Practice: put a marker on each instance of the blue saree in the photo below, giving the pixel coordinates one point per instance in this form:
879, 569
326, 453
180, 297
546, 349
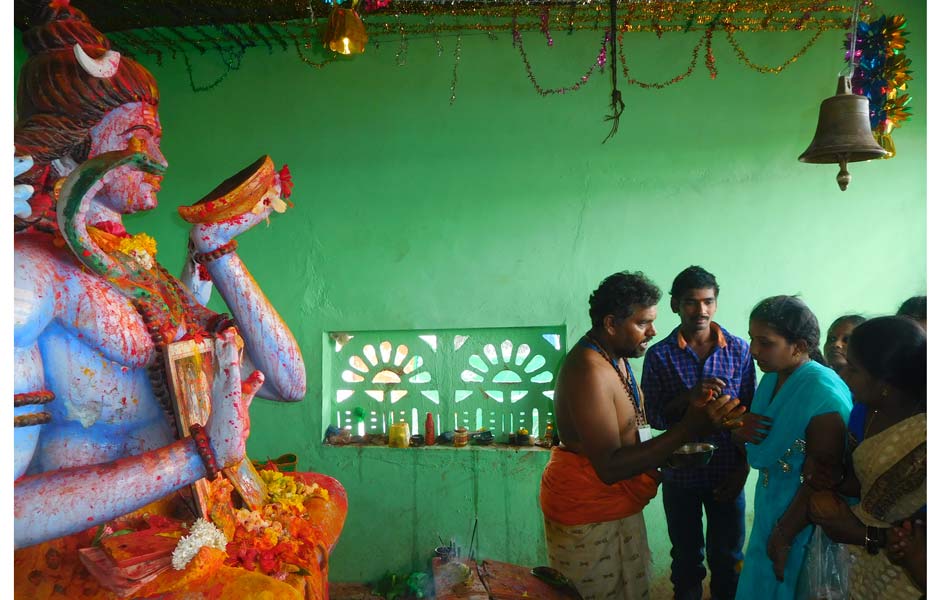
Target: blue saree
810, 391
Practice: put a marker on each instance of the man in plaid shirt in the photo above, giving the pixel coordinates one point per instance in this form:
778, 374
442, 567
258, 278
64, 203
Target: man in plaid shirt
697, 359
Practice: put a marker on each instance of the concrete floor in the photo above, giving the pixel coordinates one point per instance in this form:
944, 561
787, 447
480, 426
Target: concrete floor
660, 589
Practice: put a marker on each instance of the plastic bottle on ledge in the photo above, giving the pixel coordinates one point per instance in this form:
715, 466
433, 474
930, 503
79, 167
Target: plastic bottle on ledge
430, 430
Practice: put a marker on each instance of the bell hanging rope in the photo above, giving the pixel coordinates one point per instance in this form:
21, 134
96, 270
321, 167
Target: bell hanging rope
844, 133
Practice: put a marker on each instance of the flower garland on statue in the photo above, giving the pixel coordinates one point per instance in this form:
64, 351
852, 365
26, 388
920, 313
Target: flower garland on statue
880, 73
140, 247
201, 534
278, 539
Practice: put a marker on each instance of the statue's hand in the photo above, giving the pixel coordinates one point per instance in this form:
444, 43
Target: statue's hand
229, 423
22, 192
209, 236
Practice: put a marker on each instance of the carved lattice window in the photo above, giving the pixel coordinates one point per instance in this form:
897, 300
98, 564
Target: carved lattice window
499, 379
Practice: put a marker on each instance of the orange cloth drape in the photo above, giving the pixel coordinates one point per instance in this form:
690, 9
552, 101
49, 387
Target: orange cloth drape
572, 494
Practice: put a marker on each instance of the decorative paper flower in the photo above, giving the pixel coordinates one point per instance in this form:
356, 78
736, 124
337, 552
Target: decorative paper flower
286, 185
880, 72
59, 4
374, 5
202, 534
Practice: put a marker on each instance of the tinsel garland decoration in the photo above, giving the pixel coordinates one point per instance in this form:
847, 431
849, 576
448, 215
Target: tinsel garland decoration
669, 82
517, 41
881, 73
404, 19
174, 26
730, 35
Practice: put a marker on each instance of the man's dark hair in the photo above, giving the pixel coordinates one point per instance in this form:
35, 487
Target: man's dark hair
793, 320
618, 294
693, 278
915, 308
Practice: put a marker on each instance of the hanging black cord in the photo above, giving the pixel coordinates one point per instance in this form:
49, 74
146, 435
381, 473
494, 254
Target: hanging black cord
616, 102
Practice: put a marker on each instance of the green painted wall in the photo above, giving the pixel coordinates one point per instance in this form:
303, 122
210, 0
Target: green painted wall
505, 209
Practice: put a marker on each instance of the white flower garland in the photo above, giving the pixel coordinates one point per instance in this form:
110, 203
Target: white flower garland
203, 533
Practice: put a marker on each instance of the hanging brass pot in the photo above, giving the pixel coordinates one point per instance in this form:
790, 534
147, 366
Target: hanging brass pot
844, 133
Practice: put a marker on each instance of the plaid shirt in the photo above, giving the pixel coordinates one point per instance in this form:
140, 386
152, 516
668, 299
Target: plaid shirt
671, 367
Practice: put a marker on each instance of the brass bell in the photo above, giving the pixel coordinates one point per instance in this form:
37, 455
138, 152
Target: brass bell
844, 133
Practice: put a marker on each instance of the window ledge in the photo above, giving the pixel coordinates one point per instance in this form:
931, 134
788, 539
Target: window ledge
448, 448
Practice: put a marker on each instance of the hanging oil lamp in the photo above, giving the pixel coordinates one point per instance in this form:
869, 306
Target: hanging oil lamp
345, 33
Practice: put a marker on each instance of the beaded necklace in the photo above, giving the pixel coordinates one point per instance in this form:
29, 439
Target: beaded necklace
158, 324
629, 382
160, 300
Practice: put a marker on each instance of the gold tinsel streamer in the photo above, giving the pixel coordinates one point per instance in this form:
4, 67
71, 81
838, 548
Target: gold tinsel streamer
764, 69
658, 17
428, 19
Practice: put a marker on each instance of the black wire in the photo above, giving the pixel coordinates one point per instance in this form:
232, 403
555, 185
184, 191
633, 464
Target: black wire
615, 97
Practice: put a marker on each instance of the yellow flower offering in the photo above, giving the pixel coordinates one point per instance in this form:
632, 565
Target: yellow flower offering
286, 491
138, 242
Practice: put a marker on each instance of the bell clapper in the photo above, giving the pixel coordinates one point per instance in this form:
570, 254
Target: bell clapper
844, 178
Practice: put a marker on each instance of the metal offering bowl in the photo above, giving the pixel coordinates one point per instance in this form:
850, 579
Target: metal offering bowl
483, 437
694, 454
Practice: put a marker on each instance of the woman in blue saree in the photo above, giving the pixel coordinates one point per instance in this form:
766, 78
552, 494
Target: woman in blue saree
808, 405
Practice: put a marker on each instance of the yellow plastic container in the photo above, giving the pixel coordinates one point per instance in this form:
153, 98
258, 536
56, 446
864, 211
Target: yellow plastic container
399, 435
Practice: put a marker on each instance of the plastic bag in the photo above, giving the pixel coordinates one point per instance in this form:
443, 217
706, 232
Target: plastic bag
825, 572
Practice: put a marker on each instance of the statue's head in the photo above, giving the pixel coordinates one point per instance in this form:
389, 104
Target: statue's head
76, 99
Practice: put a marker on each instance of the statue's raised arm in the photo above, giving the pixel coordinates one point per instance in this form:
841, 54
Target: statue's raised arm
235, 206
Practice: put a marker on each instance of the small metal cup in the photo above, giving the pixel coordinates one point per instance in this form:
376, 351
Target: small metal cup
445, 553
